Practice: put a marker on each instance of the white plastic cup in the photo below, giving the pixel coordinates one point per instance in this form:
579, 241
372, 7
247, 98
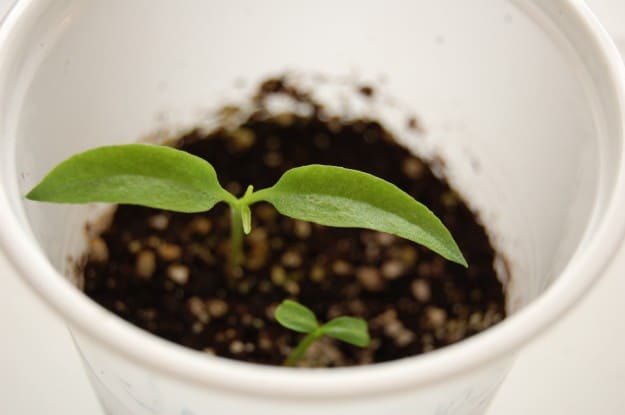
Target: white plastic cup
523, 100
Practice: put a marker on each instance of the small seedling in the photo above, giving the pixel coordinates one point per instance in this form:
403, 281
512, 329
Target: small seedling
166, 178
301, 319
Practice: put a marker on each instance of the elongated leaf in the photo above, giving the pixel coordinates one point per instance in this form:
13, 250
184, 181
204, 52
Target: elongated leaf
296, 317
348, 329
139, 174
340, 197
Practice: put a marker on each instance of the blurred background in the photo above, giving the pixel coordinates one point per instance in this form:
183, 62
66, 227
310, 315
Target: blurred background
577, 368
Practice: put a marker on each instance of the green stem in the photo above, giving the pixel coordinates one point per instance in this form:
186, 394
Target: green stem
236, 236
297, 353
257, 196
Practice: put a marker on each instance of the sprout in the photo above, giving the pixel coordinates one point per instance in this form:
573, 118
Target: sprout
166, 178
301, 319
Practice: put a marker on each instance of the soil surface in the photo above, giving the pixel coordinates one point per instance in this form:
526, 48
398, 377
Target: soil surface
166, 272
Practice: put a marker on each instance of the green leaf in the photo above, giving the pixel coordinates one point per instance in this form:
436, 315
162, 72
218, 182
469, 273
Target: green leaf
297, 317
340, 197
348, 329
139, 174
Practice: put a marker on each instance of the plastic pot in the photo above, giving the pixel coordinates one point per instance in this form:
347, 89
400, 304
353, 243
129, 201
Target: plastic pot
522, 99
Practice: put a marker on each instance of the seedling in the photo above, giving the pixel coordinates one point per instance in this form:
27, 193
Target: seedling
301, 319
166, 178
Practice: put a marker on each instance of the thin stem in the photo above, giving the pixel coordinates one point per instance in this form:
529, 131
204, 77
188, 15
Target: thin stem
236, 236
297, 353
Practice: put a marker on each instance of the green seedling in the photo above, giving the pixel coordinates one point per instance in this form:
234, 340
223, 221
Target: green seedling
301, 319
166, 178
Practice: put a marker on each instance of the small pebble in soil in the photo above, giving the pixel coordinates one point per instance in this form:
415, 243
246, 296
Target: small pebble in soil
384, 239
234, 187
264, 342
197, 307
158, 222
436, 317
475, 320
317, 273
284, 119
335, 125
408, 255
341, 267
291, 259
242, 139
230, 333
455, 330
302, 229
292, 288
370, 278
237, 347
217, 308
278, 275
197, 327
450, 199
134, 246
257, 236
98, 250
200, 225
413, 168
421, 290
145, 264
169, 252
178, 273
404, 338
120, 306
392, 269
265, 212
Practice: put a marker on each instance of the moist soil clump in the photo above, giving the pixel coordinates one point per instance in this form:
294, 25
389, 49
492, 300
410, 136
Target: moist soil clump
167, 272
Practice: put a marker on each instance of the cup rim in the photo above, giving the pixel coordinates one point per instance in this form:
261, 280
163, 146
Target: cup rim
500, 341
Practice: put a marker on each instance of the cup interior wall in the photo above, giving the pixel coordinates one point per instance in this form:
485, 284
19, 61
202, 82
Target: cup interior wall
505, 99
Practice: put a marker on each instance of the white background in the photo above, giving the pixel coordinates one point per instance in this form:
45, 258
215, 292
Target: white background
577, 368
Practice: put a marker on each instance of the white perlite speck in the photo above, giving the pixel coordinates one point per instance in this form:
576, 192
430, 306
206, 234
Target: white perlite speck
178, 273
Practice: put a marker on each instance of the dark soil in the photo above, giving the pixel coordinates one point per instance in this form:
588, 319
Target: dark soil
166, 272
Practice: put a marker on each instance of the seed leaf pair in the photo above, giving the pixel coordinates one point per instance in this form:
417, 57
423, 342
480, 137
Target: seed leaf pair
297, 317
166, 178
300, 318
